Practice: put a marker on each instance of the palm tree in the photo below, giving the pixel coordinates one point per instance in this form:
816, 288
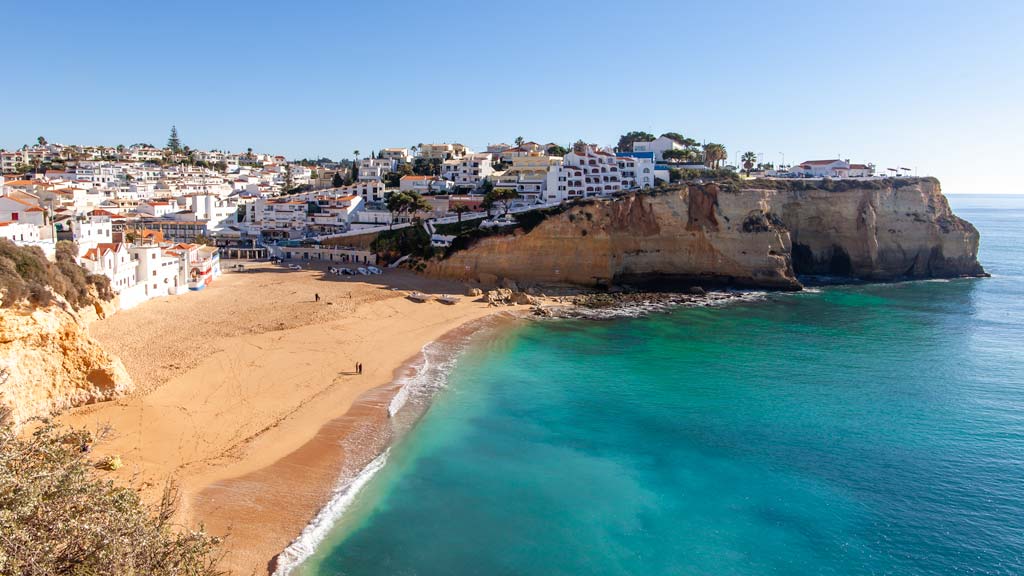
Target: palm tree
748, 161
714, 154
519, 141
460, 210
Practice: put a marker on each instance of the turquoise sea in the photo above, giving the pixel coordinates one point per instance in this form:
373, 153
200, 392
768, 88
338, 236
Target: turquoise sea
871, 429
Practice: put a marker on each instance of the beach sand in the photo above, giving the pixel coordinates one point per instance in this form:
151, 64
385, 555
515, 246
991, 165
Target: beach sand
248, 397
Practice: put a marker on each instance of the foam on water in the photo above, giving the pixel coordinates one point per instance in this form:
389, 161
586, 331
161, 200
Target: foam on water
315, 532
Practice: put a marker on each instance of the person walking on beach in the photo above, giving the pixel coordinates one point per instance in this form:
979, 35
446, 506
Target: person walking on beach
316, 297
359, 367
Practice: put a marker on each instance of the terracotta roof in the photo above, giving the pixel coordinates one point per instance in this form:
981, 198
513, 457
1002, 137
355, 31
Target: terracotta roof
819, 162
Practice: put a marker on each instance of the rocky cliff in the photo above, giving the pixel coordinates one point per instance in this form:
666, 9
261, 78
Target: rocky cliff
757, 234
48, 362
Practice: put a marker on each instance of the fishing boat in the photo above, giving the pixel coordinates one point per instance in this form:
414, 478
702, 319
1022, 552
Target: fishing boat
419, 297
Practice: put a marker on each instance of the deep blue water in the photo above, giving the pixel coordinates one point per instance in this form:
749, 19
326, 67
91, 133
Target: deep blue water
853, 430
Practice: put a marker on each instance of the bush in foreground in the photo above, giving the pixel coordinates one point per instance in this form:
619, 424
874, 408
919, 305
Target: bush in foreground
25, 273
58, 517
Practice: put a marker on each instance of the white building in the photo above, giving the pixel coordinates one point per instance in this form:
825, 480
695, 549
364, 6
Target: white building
833, 169
442, 151
468, 171
90, 232
582, 174
659, 146
157, 208
637, 172
399, 155
13, 209
528, 175
157, 273
21, 233
423, 184
113, 261
375, 168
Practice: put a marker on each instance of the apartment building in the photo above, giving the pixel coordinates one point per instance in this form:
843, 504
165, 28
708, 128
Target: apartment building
467, 172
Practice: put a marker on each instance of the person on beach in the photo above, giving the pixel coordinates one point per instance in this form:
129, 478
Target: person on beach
316, 297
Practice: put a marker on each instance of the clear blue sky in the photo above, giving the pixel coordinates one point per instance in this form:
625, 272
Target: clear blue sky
932, 85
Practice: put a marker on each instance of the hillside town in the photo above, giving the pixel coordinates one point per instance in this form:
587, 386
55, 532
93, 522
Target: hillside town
156, 220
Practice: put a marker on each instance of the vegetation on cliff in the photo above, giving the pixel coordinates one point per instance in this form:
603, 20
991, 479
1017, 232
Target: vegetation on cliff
57, 516
26, 274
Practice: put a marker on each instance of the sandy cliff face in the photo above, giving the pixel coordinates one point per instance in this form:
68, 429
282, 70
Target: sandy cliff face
688, 235
892, 232
743, 237
48, 362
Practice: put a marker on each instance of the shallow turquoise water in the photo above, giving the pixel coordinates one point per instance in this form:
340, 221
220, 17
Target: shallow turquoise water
854, 430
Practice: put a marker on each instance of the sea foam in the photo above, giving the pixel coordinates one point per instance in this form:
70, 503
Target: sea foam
314, 533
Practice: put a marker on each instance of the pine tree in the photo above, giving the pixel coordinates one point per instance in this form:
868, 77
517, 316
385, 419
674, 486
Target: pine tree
289, 182
173, 143
337, 181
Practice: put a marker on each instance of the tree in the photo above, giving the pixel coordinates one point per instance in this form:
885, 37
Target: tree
556, 150
174, 143
714, 154
392, 180
289, 180
459, 210
41, 141
749, 158
337, 181
626, 140
503, 196
519, 141
399, 203
675, 136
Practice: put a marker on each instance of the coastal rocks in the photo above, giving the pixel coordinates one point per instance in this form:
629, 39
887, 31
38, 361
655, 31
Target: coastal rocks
743, 236
506, 297
474, 292
605, 306
48, 362
499, 297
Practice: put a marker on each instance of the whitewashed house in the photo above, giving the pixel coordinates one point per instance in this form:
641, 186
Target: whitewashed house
468, 171
658, 146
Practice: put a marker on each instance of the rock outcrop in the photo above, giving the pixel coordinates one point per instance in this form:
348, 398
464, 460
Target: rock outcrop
739, 236
48, 362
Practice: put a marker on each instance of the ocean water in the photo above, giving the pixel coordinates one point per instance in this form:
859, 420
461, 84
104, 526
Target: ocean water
873, 429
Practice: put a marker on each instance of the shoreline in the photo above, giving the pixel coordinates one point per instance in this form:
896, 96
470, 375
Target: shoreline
232, 388
385, 424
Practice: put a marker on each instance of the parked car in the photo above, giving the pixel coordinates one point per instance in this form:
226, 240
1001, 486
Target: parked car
373, 270
363, 271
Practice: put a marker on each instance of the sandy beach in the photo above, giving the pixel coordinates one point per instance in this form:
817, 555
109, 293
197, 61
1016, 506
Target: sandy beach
247, 395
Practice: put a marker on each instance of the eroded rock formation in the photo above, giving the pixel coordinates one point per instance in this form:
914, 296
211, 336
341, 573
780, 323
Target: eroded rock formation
48, 362
743, 236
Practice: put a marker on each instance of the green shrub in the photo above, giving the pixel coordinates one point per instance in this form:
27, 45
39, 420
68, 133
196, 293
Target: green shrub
392, 244
25, 273
57, 516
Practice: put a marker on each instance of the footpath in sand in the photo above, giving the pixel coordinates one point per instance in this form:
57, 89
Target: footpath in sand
246, 389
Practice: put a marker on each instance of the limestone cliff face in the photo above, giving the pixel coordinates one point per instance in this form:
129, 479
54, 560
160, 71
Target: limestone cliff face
695, 235
48, 362
741, 237
902, 230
